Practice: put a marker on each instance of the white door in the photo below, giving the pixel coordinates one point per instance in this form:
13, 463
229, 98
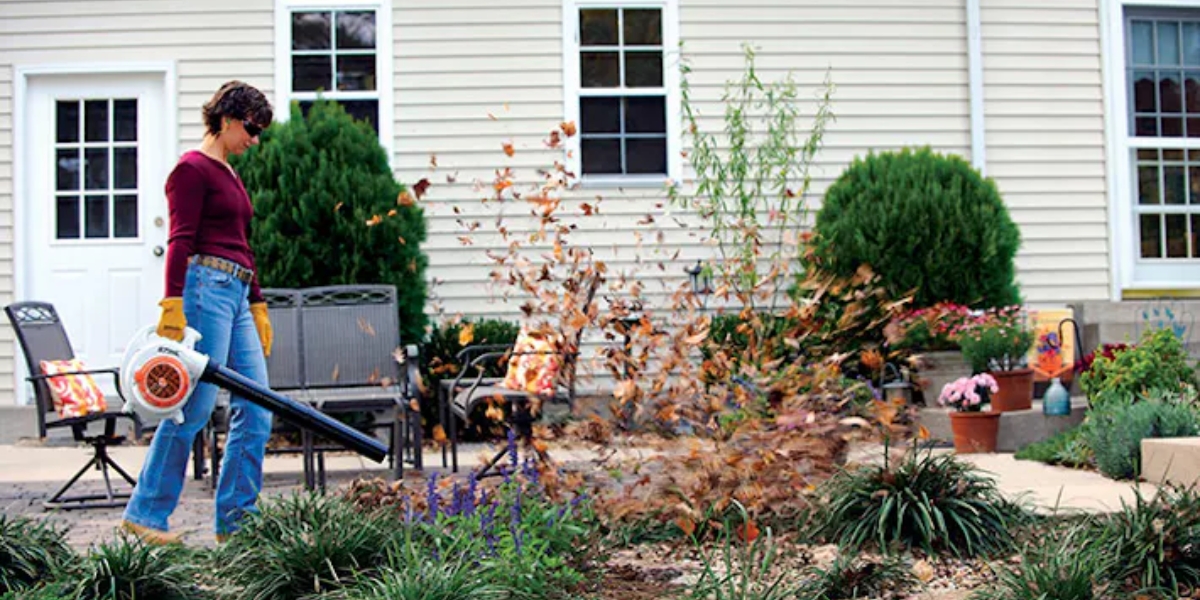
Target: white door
94, 208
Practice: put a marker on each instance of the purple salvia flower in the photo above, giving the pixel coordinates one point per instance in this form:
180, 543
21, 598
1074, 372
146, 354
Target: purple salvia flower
455, 502
433, 498
512, 448
472, 488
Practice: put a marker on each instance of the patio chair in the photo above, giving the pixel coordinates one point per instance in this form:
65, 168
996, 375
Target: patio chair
42, 337
457, 399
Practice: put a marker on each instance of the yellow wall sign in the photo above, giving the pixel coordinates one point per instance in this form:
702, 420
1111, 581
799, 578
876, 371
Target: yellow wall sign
1052, 355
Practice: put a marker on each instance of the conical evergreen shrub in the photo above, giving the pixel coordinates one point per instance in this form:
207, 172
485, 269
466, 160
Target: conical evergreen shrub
927, 223
327, 211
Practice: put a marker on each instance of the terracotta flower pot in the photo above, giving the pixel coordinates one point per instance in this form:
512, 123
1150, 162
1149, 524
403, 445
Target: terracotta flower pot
1016, 390
974, 432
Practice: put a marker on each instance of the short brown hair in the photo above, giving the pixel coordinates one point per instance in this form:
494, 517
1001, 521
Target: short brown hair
236, 100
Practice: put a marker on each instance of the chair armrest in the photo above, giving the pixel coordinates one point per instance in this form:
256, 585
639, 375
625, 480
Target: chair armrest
469, 350
115, 372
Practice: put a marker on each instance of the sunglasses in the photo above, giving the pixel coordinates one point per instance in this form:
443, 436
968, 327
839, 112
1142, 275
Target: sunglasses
251, 129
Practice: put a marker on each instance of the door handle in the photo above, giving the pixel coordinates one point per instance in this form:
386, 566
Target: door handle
158, 250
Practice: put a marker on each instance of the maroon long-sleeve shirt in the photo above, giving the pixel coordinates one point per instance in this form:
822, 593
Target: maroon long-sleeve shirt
210, 214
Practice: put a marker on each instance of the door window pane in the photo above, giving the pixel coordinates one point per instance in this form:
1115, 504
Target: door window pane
1148, 185
125, 168
601, 156
95, 168
66, 217
67, 121
1142, 42
646, 155
125, 120
95, 124
66, 166
125, 213
95, 216
600, 69
600, 115
646, 115
1168, 43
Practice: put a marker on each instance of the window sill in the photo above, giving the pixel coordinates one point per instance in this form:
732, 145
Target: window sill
628, 181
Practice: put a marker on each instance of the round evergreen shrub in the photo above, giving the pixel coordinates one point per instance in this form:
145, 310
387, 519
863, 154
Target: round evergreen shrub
928, 224
328, 211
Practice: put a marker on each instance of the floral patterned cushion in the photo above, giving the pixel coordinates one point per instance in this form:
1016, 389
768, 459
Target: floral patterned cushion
74, 395
534, 373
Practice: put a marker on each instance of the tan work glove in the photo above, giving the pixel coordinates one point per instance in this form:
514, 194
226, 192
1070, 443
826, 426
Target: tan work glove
172, 322
263, 323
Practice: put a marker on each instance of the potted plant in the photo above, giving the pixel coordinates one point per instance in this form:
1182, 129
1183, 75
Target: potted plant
931, 335
974, 429
1000, 346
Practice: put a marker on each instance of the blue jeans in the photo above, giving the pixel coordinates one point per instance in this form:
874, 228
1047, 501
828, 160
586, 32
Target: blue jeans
217, 305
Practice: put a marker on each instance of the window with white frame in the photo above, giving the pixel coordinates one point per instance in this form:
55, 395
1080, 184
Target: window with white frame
1162, 68
621, 89
334, 53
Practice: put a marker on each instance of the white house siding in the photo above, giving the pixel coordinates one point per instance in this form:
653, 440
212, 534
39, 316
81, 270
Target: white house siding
900, 69
210, 42
1044, 110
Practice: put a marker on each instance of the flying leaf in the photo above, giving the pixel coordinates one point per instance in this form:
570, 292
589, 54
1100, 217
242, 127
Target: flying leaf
466, 335
508, 149
405, 198
568, 128
433, 161
421, 188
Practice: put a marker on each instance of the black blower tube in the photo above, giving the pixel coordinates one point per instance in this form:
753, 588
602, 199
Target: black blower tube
294, 412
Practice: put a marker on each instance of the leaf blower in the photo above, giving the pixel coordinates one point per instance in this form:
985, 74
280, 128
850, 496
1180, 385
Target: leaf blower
159, 374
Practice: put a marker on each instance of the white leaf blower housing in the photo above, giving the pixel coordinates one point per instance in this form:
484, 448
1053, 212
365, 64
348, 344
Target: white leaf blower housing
159, 374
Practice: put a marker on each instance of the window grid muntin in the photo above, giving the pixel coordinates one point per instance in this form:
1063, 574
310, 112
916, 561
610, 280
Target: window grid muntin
110, 192
621, 92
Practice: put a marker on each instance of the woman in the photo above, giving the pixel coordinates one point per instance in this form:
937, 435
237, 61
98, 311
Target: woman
211, 286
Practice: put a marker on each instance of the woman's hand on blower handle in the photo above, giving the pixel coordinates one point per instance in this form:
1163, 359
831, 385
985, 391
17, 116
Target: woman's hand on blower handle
172, 323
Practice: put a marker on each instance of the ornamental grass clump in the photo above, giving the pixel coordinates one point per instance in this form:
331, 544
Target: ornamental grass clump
934, 502
301, 546
129, 569
1154, 542
29, 551
852, 577
1064, 564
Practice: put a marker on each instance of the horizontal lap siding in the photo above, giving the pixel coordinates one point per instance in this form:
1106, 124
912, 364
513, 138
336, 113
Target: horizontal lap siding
1044, 111
211, 42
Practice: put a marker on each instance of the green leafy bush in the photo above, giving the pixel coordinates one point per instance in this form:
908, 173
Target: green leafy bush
130, 569
938, 503
303, 545
327, 211
1114, 430
1158, 361
1059, 565
1067, 447
1154, 543
29, 549
928, 223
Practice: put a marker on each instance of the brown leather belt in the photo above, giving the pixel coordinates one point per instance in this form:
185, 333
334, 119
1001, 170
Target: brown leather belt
223, 265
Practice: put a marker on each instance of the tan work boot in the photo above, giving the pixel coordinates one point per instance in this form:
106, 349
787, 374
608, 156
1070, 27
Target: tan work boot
151, 536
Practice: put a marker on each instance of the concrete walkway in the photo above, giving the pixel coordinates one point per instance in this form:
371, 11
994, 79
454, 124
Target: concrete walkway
30, 473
